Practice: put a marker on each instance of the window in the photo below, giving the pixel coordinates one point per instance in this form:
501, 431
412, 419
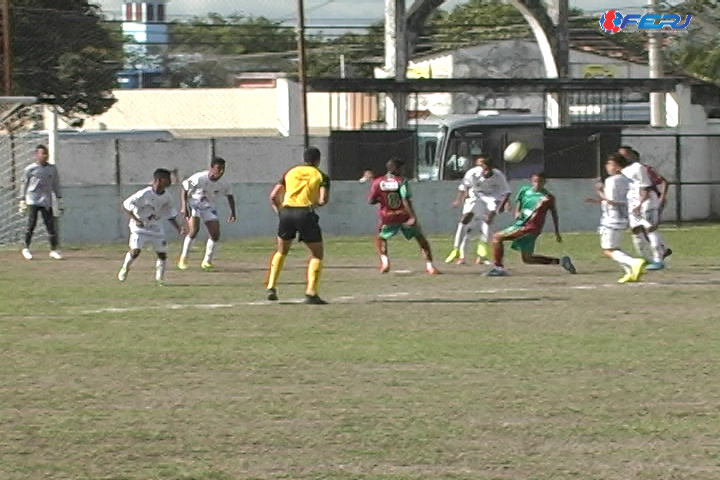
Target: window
150, 12
138, 12
128, 12
161, 12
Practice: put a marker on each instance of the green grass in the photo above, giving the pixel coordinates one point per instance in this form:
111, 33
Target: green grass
541, 375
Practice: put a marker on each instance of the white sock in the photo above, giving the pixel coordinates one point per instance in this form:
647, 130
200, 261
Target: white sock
128, 260
623, 259
160, 270
486, 232
384, 259
657, 247
640, 244
187, 245
429, 265
460, 234
210, 250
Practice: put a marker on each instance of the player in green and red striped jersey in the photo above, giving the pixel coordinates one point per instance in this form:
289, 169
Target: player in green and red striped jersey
532, 204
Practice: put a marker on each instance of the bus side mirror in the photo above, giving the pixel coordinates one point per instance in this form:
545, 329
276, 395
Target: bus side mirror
430, 149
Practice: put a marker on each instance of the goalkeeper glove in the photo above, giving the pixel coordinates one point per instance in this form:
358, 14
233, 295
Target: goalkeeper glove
22, 207
61, 207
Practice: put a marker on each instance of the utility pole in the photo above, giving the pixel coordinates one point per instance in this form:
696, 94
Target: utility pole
7, 54
657, 99
559, 12
396, 60
302, 71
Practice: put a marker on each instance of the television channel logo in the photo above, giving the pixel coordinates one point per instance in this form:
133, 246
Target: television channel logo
613, 21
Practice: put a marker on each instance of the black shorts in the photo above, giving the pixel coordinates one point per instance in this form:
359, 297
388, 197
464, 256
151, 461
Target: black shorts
299, 222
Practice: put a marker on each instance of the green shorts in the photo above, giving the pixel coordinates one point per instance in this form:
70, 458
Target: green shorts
389, 231
523, 239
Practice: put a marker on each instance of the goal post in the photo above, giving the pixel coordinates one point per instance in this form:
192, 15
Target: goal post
21, 130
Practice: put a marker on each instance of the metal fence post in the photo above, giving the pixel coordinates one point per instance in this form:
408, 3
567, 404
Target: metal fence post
678, 181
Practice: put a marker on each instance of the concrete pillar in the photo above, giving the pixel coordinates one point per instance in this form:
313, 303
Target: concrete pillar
289, 106
396, 60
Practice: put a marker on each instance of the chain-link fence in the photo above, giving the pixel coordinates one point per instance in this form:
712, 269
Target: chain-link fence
17, 144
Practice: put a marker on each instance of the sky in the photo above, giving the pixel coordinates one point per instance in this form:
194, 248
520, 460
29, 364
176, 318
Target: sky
319, 12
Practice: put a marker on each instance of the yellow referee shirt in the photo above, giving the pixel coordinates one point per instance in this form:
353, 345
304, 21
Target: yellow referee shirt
302, 186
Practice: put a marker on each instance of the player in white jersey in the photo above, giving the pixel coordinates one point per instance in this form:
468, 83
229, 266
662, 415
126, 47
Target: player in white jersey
613, 200
647, 220
197, 203
147, 209
484, 192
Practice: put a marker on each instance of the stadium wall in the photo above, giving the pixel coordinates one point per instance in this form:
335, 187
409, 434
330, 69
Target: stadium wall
94, 214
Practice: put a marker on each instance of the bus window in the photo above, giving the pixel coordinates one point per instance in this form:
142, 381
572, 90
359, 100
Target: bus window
430, 148
460, 152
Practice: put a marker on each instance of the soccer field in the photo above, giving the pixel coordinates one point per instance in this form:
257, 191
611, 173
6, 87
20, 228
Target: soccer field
540, 375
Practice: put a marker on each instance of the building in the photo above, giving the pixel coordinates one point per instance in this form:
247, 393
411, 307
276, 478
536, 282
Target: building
145, 22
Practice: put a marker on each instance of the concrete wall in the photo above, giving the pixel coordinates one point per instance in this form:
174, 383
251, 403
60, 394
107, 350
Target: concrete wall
92, 160
347, 214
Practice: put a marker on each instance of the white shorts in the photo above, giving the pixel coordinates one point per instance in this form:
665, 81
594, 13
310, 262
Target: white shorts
648, 218
139, 239
205, 214
480, 207
610, 238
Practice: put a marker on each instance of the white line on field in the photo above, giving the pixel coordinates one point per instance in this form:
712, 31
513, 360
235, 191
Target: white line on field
397, 295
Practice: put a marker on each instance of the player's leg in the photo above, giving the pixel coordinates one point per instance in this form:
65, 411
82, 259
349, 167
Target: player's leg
160, 246
462, 232
422, 241
385, 233
639, 236
311, 235
33, 211
136, 244
193, 229
657, 246
526, 246
486, 232
49, 220
610, 242
498, 248
287, 231
213, 229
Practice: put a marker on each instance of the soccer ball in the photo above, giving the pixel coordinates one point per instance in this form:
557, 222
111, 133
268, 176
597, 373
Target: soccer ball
515, 152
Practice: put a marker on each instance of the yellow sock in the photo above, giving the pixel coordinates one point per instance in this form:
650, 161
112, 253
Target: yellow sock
314, 268
275, 267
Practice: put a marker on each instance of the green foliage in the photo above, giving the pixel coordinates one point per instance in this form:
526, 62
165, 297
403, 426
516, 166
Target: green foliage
358, 48
231, 35
62, 50
698, 52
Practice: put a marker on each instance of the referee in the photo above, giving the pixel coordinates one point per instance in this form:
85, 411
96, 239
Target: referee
303, 189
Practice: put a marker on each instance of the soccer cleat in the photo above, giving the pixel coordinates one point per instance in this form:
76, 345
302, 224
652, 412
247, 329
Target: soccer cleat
628, 278
26, 253
314, 300
56, 255
460, 261
384, 267
482, 250
655, 266
496, 272
454, 255
207, 266
431, 270
122, 274
183, 263
637, 269
668, 252
272, 294
567, 265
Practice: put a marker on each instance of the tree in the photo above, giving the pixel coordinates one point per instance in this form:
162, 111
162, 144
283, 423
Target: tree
698, 52
231, 35
61, 50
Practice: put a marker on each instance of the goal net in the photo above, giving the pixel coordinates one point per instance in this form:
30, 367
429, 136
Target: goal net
21, 130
